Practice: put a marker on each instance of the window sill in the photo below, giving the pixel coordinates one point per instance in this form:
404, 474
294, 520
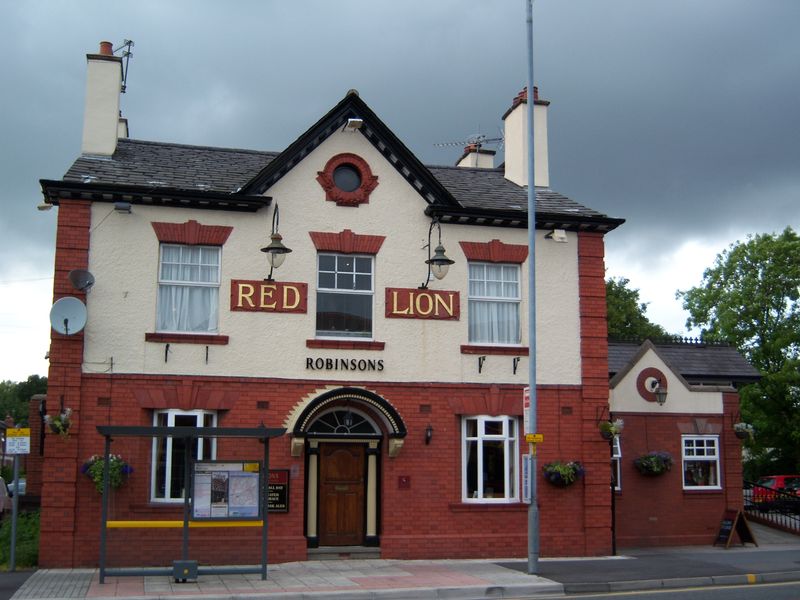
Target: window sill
488, 507
501, 350
187, 338
345, 345
703, 491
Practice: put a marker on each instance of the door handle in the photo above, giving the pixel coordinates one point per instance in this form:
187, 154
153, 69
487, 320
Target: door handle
341, 488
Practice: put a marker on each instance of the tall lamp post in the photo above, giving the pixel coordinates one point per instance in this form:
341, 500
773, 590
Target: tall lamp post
533, 508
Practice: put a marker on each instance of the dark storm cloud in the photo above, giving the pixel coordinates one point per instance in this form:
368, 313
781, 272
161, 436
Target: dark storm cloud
680, 117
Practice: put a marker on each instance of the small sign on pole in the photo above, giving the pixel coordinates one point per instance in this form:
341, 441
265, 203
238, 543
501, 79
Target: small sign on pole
526, 478
18, 440
526, 410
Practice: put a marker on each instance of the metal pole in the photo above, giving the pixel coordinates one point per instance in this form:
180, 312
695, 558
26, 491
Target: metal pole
104, 513
187, 457
12, 559
533, 508
265, 508
613, 499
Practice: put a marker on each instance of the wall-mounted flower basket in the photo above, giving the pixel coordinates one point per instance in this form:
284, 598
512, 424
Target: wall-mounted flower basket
60, 423
609, 429
653, 463
562, 474
743, 431
118, 471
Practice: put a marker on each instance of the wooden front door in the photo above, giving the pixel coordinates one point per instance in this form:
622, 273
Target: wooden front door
341, 494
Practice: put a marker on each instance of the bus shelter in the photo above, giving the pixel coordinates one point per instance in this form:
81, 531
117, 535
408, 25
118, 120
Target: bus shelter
184, 568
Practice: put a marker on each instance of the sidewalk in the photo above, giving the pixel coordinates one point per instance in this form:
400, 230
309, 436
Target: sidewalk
774, 560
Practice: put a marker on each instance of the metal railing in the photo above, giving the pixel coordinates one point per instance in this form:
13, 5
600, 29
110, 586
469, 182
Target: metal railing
776, 508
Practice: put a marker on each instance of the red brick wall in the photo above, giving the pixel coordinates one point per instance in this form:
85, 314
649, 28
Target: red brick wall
657, 511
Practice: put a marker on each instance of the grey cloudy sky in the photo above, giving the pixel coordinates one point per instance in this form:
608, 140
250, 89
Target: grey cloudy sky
681, 117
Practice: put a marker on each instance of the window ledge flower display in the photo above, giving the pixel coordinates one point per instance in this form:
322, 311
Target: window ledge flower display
610, 429
60, 423
562, 474
653, 463
118, 470
743, 431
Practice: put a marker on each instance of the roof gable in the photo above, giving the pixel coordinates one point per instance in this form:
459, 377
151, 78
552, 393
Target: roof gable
375, 131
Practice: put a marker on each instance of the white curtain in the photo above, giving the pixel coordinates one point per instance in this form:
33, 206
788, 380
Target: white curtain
494, 303
188, 292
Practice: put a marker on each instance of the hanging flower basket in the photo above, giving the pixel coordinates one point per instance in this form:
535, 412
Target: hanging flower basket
610, 429
118, 470
562, 474
653, 463
60, 423
743, 431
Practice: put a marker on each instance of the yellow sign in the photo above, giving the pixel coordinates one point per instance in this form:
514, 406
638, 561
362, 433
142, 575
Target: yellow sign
18, 432
534, 438
250, 467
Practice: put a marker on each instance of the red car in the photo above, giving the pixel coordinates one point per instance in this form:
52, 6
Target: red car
764, 492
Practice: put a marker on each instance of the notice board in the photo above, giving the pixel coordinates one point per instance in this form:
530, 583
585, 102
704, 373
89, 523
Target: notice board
734, 521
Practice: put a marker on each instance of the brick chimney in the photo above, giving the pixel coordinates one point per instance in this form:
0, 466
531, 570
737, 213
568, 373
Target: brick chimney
476, 157
516, 140
102, 123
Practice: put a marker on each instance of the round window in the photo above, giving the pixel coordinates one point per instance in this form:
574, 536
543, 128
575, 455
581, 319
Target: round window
347, 178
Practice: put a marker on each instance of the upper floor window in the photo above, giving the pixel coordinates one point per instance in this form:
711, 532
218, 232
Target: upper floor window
494, 298
490, 459
168, 473
188, 288
616, 459
344, 296
700, 461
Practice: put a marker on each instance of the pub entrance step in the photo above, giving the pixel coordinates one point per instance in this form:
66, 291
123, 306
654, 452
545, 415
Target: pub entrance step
343, 552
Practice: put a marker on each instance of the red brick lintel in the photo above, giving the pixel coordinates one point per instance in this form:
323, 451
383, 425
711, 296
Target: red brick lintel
345, 344
187, 338
501, 350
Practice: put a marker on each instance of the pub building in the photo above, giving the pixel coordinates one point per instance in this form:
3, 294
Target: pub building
373, 307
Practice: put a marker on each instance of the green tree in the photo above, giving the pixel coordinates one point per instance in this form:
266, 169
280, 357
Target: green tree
626, 318
15, 397
749, 297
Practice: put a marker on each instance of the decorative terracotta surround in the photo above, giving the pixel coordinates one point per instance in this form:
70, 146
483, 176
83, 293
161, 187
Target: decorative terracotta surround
345, 344
641, 381
346, 242
191, 233
342, 198
191, 397
495, 252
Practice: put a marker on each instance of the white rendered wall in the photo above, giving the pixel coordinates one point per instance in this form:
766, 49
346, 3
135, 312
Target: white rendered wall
516, 145
124, 259
680, 399
101, 111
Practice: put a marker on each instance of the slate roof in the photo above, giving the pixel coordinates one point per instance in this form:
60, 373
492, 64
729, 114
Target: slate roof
178, 166
696, 362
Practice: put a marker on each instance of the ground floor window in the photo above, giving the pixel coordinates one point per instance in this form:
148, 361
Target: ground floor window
616, 460
490, 459
168, 480
700, 461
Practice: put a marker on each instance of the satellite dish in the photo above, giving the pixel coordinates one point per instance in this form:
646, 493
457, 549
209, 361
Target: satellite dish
68, 316
81, 280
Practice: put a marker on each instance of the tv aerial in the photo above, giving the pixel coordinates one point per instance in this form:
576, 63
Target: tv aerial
126, 56
68, 316
477, 140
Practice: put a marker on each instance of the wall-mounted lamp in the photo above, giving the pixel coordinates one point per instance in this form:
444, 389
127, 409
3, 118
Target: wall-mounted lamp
347, 420
428, 434
438, 264
122, 207
276, 251
659, 390
557, 235
353, 125
44, 206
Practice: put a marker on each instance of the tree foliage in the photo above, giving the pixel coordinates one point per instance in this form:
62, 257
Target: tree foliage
749, 297
626, 313
15, 397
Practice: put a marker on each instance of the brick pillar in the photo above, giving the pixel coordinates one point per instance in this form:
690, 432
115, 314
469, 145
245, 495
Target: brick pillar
60, 467
594, 376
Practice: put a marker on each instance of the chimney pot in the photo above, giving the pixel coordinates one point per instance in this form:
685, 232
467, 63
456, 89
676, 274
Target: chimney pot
106, 48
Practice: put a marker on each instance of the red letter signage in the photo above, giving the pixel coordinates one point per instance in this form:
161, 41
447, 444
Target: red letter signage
269, 296
402, 303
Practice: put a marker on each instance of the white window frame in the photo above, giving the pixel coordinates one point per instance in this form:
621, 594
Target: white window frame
182, 283
327, 335
474, 299
707, 453
510, 439
201, 442
616, 463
